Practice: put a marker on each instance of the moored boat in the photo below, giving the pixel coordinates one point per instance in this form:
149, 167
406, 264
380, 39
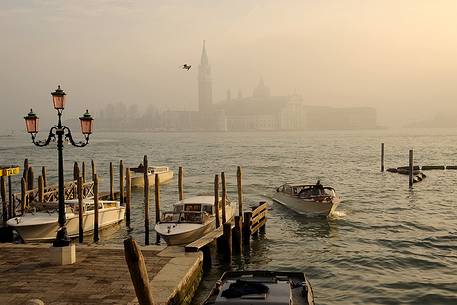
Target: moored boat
43, 225
309, 200
191, 219
137, 177
261, 287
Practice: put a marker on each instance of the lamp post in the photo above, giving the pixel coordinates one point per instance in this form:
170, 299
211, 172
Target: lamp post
62, 133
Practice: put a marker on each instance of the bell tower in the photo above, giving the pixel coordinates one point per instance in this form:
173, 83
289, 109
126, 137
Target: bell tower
205, 88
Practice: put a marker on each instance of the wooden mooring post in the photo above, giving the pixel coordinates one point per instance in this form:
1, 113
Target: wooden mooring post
83, 171
96, 237
411, 168
121, 182
128, 191
180, 183
43, 174
237, 235
80, 211
382, 157
94, 169
4, 204
240, 192
157, 202
247, 228
30, 177
40, 189
227, 241
224, 198
146, 201
11, 208
75, 171
111, 181
23, 195
138, 272
216, 200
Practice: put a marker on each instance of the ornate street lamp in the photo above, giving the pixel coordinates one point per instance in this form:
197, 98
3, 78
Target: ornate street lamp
62, 133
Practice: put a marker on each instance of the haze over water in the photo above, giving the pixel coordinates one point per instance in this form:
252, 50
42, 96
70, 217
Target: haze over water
386, 245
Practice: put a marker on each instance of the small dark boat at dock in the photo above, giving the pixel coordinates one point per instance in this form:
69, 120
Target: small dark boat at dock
261, 287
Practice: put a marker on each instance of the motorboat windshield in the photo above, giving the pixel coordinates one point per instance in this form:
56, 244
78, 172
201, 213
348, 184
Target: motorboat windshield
307, 191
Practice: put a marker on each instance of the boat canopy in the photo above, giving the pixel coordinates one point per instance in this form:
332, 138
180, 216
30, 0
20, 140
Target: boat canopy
306, 190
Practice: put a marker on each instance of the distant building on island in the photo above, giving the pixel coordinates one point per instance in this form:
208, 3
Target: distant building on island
261, 111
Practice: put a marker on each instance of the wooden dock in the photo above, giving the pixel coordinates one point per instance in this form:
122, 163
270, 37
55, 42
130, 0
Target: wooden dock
100, 275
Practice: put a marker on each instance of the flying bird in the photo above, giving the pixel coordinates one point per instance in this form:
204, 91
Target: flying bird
186, 66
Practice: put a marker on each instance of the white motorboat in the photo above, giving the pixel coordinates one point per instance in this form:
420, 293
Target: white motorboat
43, 225
260, 288
309, 200
137, 177
191, 219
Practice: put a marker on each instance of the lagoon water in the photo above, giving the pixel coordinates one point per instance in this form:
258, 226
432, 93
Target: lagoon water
386, 244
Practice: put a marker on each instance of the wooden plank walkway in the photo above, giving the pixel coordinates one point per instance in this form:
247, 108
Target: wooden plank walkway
198, 244
100, 275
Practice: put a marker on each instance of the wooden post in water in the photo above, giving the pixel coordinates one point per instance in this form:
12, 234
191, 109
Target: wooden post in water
216, 200
30, 178
23, 195
180, 183
80, 210
247, 228
94, 169
382, 157
121, 182
26, 168
227, 227
240, 192
75, 171
128, 198
10, 199
411, 167
111, 181
146, 201
3, 192
43, 174
40, 189
157, 201
236, 236
83, 171
224, 198
138, 272
25, 172
96, 238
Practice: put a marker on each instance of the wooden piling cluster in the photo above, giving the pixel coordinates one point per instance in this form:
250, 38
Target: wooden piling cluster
231, 236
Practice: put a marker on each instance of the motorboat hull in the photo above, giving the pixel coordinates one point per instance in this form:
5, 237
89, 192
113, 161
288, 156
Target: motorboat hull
185, 237
42, 226
307, 207
184, 233
137, 180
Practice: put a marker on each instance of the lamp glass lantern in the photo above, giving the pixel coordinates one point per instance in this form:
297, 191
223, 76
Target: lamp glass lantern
58, 98
86, 123
31, 122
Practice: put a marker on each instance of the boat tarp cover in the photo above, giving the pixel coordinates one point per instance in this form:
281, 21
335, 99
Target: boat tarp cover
240, 288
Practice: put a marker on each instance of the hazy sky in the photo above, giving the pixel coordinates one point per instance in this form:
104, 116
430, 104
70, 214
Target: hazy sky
399, 56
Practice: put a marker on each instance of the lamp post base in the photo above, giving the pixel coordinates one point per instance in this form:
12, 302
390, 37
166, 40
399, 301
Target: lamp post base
63, 255
62, 239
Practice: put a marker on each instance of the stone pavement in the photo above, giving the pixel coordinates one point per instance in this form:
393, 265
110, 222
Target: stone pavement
100, 275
